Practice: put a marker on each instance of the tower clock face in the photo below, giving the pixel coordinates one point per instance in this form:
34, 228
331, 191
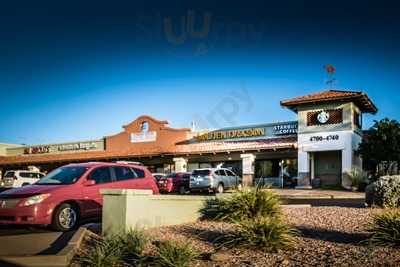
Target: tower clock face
323, 117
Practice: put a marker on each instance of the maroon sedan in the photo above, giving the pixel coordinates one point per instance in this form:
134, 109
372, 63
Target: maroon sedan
70, 193
175, 182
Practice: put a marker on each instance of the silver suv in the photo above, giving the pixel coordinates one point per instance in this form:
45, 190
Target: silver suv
214, 180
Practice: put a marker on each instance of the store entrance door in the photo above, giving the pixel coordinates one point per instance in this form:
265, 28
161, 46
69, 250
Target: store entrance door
328, 167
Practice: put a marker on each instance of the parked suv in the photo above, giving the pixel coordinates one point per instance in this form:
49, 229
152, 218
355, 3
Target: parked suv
70, 193
175, 182
20, 178
214, 180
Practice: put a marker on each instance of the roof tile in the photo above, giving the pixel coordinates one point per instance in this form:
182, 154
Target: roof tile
360, 98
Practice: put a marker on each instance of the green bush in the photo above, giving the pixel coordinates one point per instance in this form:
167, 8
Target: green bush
266, 233
243, 205
385, 229
114, 251
171, 254
387, 192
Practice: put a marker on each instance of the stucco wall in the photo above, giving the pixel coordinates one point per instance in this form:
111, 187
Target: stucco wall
166, 137
348, 139
347, 117
125, 209
5, 147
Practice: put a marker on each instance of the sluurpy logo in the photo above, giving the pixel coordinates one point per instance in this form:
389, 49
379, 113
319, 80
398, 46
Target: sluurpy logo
195, 33
187, 33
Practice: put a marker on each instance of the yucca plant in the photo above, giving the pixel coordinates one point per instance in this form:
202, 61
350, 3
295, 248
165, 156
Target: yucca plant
102, 253
265, 233
172, 254
243, 205
385, 229
133, 243
117, 250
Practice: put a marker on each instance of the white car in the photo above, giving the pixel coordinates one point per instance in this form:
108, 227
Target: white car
20, 178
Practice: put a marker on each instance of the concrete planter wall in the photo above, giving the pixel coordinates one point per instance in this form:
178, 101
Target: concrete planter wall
125, 209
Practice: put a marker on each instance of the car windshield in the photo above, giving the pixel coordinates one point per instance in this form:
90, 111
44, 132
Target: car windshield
171, 175
64, 175
201, 173
9, 174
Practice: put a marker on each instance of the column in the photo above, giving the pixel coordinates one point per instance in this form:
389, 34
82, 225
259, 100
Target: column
248, 169
180, 164
304, 173
347, 165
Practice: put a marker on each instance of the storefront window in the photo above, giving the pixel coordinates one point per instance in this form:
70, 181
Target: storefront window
290, 167
267, 168
235, 166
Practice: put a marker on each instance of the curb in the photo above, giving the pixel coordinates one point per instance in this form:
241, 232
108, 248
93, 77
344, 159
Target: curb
318, 197
296, 206
63, 258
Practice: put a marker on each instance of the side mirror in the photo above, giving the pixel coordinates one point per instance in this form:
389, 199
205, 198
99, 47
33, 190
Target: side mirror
89, 182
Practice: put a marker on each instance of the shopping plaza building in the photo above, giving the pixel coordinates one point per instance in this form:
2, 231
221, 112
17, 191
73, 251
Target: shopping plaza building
320, 148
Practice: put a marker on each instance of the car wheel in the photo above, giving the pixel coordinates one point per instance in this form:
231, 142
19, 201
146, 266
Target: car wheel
182, 190
65, 217
25, 184
220, 188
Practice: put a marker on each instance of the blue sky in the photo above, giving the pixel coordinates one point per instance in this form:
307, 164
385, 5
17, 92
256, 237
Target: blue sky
72, 73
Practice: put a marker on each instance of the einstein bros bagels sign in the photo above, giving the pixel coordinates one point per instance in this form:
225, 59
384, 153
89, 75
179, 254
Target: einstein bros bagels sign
232, 134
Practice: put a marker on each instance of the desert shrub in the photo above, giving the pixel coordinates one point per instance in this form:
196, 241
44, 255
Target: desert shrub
243, 205
172, 254
102, 253
266, 233
385, 229
387, 192
114, 251
358, 178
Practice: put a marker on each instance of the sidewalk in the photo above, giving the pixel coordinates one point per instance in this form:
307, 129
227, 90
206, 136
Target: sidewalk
318, 194
318, 197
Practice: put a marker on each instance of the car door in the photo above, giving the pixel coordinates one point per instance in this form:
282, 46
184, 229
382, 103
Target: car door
186, 180
92, 198
232, 178
222, 178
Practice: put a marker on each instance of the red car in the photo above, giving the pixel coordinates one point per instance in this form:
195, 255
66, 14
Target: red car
70, 193
175, 182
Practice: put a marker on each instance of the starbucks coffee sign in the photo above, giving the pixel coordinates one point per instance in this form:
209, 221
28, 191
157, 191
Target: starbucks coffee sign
285, 129
323, 117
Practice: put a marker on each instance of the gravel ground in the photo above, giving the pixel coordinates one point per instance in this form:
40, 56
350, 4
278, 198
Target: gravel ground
330, 236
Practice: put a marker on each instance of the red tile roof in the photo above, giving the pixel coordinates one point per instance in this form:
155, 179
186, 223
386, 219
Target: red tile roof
361, 99
195, 148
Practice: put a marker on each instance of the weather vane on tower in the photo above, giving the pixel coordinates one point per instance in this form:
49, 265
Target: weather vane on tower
330, 69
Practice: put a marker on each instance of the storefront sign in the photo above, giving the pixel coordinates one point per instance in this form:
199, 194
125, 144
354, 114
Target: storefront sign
285, 129
49, 149
231, 134
37, 150
77, 146
143, 137
319, 138
323, 117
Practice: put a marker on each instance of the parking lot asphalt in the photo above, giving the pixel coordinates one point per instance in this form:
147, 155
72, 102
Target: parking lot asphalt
7, 230
31, 244
35, 240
